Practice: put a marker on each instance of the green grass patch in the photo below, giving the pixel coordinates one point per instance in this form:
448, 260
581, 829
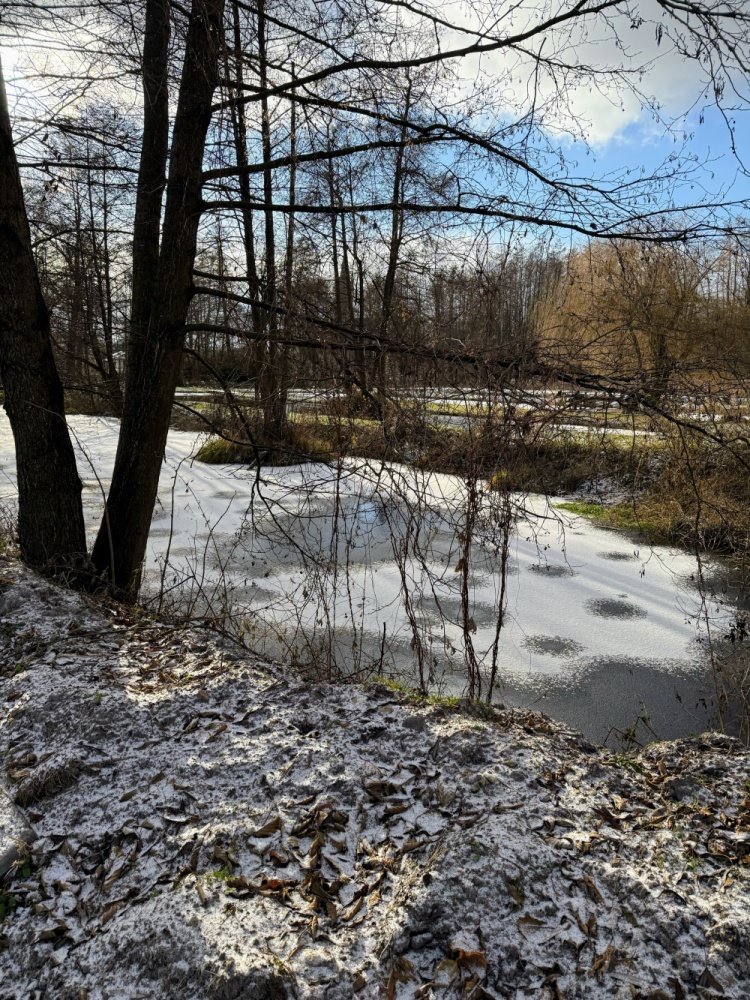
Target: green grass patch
219, 451
624, 517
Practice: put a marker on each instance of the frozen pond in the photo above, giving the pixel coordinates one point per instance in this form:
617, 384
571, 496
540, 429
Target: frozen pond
314, 564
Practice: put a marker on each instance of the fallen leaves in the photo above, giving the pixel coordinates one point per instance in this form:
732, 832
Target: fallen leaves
269, 828
368, 855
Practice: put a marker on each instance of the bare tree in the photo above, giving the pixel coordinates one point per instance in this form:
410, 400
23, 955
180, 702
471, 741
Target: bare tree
50, 518
121, 544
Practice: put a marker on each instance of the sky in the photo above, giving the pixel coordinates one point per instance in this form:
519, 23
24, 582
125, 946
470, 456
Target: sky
606, 130
602, 130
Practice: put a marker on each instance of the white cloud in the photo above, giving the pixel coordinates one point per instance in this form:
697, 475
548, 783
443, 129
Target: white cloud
598, 76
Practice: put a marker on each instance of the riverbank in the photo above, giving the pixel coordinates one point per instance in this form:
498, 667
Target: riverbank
671, 483
207, 826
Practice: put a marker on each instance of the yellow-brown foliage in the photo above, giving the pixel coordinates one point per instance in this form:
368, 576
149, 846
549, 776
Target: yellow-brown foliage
630, 309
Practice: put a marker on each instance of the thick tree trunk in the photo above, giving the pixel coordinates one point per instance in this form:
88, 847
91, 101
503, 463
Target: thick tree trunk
121, 544
151, 183
50, 517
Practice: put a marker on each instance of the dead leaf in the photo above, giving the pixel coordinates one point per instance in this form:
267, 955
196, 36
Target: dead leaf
528, 921
180, 818
604, 962
447, 970
516, 892
378, 790
592, 889
113, 876
402, 971
110, 911
354, 908
395, 808
53, 933
709, 981
312, 859
277, 884
465, 958
268, 829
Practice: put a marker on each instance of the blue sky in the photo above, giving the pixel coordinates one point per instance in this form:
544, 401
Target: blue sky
715, 172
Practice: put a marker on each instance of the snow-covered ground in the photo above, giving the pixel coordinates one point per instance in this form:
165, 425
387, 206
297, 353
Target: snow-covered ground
209, 828
309, 561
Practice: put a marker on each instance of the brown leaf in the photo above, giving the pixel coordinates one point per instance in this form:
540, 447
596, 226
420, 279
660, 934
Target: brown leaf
528, 921
709, 981
449, 967
110, 911
592, 889
394, 808
602, 963
268, 829
516, 892
113, 876
465, 958
277, 884
312, 859
354, 908
53, 933
378, 790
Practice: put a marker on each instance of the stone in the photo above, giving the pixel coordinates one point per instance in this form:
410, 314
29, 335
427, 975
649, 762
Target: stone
14, 830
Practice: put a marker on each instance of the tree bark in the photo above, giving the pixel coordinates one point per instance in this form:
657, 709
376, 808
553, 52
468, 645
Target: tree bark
51, 531
121, 544
151, 182
239, 133
394, 250
272, 395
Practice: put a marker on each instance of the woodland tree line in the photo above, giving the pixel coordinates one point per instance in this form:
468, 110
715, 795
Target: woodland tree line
301, 194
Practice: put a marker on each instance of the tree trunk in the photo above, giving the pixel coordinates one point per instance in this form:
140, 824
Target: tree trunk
272, 395
394, 250
239, 133
50, 516
121, 544
151, 183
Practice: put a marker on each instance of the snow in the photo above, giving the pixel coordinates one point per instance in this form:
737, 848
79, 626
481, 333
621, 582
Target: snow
209, 826
588, 610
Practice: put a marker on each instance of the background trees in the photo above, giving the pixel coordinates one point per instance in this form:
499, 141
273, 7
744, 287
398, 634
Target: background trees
358, 190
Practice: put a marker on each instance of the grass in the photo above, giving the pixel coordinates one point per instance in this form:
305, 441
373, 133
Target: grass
622, 516
451, 703
683, 488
